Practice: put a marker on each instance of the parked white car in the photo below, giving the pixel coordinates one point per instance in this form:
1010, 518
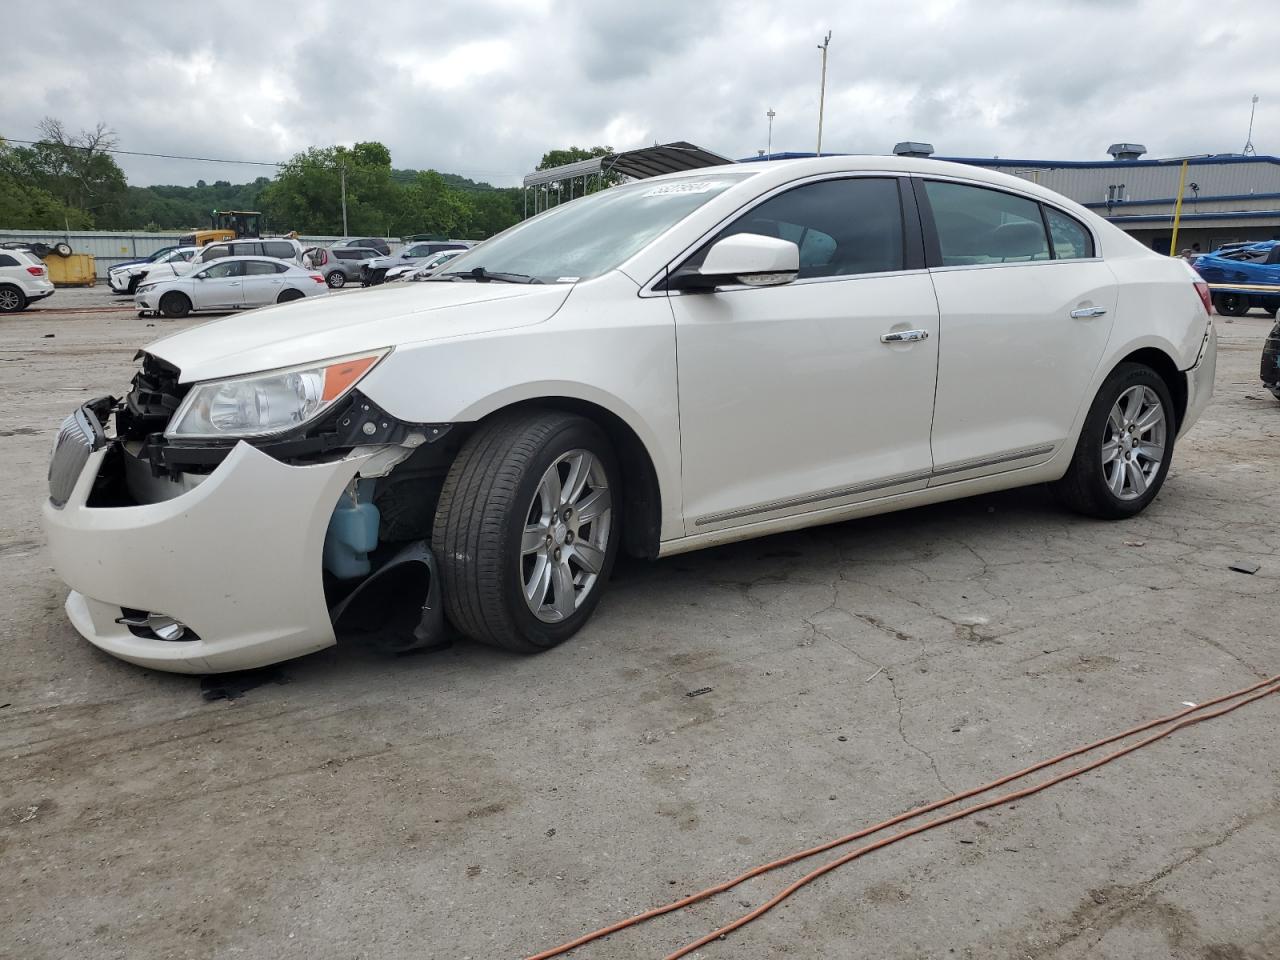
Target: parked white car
125, 278
231, 283
855, 335
277, 248
24, 279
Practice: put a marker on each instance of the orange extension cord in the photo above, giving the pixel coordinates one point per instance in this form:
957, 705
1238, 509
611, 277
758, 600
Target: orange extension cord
1183, 718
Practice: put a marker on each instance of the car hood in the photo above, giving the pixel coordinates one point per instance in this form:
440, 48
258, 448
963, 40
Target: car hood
336, 325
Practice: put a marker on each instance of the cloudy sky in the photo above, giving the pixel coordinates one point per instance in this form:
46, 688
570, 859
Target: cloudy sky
484, 87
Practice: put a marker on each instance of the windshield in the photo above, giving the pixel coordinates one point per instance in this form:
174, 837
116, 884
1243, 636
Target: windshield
588, 237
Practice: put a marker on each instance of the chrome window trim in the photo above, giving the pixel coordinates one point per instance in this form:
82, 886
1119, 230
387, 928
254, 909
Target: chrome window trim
836, 493
647, 288
1019, 263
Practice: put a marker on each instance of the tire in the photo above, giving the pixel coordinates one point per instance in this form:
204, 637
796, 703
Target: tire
12, 299
1272, 309
175, 305
493, 491
1089, 484
62, 249
288, 296
1231, 304
335, 279
41, 250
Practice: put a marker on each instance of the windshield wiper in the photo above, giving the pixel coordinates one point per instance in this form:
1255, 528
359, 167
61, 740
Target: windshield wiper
481, 275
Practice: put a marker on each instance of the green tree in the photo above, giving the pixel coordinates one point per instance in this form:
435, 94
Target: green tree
75, 168
25, 206
306, 194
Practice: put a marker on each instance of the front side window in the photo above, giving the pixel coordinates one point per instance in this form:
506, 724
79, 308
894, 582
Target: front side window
980, 226
592, 235
1071, 241
842, 227
220, 271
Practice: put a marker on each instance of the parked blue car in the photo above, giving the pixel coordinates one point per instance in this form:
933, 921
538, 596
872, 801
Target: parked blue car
1251, 265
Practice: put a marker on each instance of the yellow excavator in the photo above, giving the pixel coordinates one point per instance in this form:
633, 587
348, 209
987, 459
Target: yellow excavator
226, 225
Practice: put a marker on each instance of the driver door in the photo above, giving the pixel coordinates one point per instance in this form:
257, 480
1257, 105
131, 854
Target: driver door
790, 400
219, 287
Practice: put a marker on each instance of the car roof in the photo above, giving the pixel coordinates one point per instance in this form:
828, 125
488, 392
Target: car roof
254, 258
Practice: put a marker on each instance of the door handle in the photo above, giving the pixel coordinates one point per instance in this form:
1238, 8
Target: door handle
234, 283
1084, 313
904, 336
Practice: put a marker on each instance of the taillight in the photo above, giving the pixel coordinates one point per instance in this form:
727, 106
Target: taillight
1206, 298
317, 278
36, 271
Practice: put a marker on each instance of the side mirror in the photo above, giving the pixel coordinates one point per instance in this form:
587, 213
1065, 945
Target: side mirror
744, 258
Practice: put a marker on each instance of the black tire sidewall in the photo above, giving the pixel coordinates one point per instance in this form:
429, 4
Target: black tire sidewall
1126, 376
576, 434
288, 296
174, 297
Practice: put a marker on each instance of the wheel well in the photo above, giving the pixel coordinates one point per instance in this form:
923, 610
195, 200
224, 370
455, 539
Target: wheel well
1163, 364
642, 500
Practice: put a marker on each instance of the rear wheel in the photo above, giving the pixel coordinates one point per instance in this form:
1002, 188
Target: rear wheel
1125, 446
335, 279
12, 299
1231, 304
174, 304
525, 530
287, 295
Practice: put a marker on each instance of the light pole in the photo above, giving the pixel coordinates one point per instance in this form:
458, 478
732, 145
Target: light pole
769, 148
344, 199
822, 91
1248, 141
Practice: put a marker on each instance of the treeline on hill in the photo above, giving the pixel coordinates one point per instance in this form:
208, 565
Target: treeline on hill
71, 181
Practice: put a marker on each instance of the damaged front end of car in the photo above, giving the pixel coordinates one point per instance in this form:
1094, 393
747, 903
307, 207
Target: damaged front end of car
199, 525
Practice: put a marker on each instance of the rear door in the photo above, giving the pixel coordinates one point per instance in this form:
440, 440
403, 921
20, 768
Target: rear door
1026, 309
263, 281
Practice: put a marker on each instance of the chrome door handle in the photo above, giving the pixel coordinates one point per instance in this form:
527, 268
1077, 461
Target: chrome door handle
904, 336
1084, 313
234, 283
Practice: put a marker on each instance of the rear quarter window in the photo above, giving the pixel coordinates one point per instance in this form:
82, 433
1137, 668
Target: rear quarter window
278, 248
8, 261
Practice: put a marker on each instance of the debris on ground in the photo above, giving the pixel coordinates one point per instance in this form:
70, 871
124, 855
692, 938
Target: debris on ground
699, 692
1245, 566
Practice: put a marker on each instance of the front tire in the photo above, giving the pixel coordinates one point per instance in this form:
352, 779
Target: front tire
525, 531
1125, 446
335, 279
175, 305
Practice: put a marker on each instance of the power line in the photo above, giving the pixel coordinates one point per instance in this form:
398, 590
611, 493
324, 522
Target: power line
161, 156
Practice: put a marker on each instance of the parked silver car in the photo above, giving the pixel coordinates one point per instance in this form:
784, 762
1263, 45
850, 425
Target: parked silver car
341, 265
375, 271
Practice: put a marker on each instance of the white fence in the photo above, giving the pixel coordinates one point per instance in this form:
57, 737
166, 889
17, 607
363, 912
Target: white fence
110, 248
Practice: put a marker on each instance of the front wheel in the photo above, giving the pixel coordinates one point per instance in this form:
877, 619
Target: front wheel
525, 531
1125, 446
175, 305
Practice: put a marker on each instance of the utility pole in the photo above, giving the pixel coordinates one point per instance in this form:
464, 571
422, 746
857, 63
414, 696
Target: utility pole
1248, 141
822, 91
344, 199
770, 115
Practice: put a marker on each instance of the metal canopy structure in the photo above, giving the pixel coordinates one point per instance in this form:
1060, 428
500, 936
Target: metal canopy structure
557, 184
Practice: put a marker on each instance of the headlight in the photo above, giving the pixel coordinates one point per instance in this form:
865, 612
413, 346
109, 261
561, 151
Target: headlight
267, 403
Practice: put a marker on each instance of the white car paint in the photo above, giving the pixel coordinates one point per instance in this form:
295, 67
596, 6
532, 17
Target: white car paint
24, 279
761, 409
120, 278
233, 283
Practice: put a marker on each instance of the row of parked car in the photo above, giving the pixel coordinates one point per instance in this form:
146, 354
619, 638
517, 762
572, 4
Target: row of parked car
247, 273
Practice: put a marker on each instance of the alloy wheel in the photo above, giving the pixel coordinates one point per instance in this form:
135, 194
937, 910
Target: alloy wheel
1133, 442
10, 300
566, 535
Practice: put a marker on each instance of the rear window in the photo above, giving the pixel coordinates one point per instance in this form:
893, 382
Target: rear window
253, 249
259, 268
978, 225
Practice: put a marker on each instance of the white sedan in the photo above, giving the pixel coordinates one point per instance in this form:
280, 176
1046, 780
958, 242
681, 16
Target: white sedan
421, 270
658, 367
231, 283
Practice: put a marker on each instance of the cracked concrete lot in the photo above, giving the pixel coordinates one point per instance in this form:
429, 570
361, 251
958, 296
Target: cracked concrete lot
470, 804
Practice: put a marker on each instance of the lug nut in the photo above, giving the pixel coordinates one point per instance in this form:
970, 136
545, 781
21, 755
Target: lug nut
557, 554
568, 537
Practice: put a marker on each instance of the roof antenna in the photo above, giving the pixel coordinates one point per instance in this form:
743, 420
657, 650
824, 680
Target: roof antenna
1248, 141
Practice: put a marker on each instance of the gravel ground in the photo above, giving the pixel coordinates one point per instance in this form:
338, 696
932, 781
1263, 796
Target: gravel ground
470, 804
